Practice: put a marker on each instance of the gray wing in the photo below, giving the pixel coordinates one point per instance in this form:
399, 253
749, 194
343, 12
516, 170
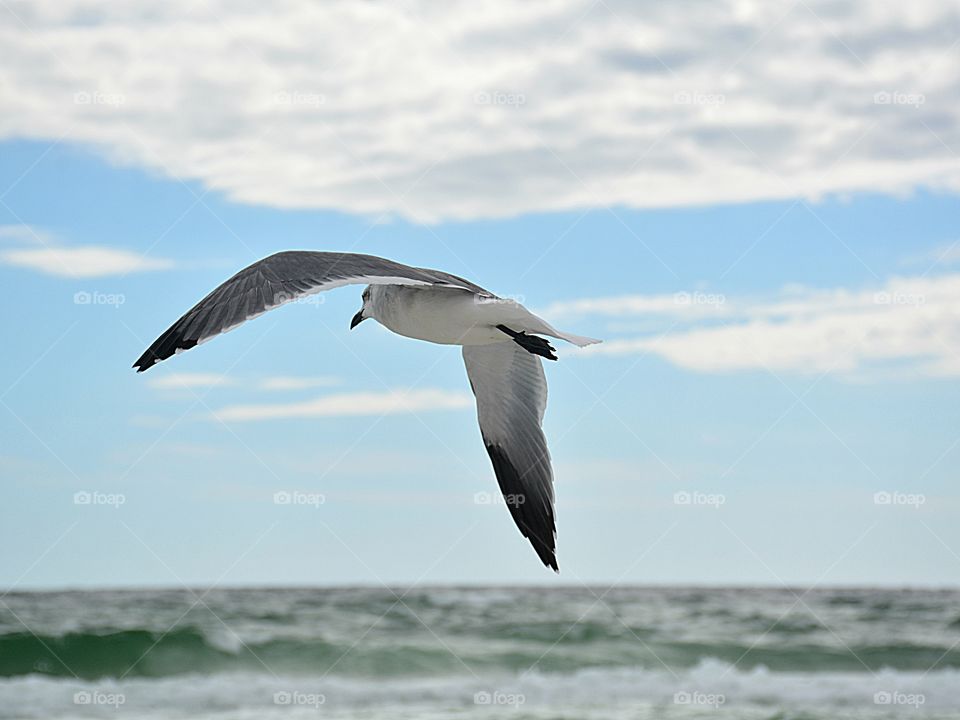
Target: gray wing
511, 393
280, 279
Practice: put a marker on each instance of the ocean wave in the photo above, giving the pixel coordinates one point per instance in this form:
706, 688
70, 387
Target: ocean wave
145, 653
193, 650
585, 693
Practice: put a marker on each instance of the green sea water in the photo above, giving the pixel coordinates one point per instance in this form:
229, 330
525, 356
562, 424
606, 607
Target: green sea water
481, 653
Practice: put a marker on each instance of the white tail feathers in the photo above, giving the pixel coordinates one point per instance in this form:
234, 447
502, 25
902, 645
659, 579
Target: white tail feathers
534, 324
578, 340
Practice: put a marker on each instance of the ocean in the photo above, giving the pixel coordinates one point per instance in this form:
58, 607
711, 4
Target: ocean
481, 652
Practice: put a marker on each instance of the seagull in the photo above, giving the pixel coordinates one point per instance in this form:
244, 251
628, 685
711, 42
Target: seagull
502, 351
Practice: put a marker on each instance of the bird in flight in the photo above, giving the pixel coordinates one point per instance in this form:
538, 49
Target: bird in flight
501, 343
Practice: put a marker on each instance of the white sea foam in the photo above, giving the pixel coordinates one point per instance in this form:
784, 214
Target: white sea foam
710, 686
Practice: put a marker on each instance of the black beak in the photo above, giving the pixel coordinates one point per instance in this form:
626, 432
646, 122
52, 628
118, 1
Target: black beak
357, 319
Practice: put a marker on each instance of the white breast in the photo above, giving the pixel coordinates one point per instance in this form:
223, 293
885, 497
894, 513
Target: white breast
446, 316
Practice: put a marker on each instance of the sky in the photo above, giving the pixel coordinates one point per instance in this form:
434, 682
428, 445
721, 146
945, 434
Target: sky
754, 205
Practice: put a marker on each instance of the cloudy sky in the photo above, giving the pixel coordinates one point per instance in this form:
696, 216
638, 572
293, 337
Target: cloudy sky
754, 204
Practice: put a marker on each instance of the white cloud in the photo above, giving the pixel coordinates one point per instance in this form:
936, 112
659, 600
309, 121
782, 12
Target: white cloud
444, 110
22, 234
912, 324
189, 381
186, 381
286, 382
351, 404
682, 304
88, 261
944, 255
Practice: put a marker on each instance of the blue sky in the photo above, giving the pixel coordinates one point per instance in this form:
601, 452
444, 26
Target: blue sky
782, 335
797, 493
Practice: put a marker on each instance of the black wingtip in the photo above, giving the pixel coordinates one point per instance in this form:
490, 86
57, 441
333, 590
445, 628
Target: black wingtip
163, 347
543, 542
146, 361
548, 559
535, 520
545, 552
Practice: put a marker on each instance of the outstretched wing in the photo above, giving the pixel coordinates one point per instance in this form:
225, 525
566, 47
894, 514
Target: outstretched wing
511, 393
279, 279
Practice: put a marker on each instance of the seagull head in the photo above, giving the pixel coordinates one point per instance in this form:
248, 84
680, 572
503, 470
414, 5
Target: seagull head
361, 316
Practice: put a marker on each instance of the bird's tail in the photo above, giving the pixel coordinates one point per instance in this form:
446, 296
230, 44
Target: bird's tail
578, 340
523, 319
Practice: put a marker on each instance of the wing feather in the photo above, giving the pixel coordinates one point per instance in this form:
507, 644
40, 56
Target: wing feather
279, 279
511, 392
